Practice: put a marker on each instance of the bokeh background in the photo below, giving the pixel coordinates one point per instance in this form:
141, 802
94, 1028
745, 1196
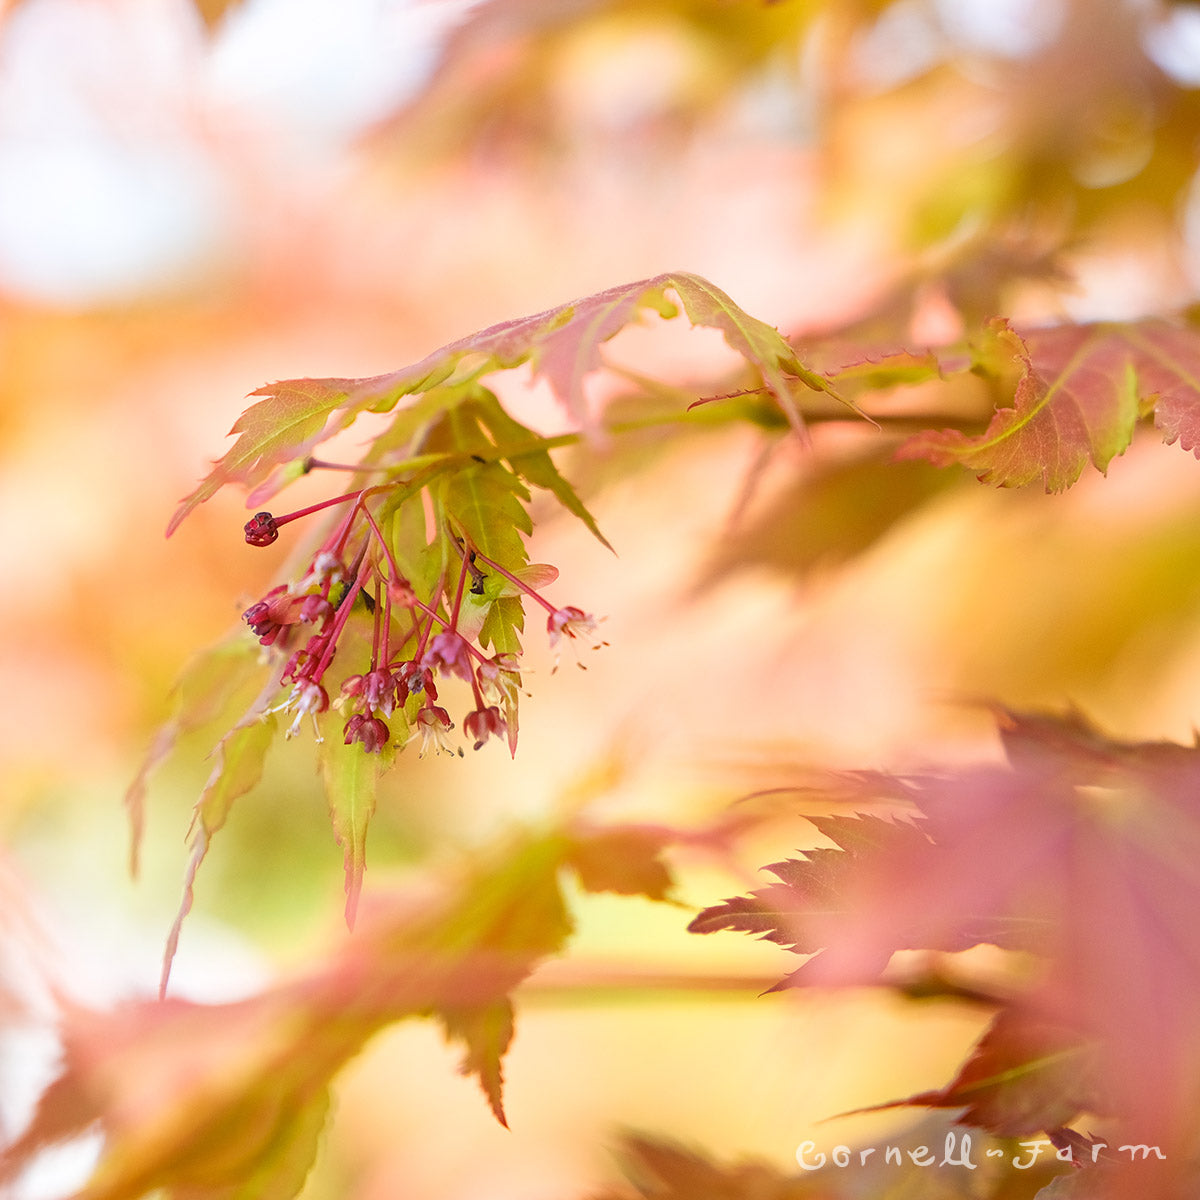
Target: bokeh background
197, 199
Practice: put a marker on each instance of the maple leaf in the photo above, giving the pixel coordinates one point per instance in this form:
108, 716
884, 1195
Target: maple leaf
1079, 394
258, 1071
529, 457
237, 768
562, 344
252, 1107
802, 910
828, 515
351, 783
1082, 851
853, 369
487, 1032
1075, 401
1025, 1075
206, 686
626, 859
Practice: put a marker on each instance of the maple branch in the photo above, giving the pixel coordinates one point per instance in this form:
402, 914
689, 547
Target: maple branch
579, 983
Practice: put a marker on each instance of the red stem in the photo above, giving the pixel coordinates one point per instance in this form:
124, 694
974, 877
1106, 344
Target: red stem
312, 508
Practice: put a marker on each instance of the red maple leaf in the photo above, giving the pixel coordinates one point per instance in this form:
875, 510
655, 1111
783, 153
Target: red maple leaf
1081, 851
1079, 394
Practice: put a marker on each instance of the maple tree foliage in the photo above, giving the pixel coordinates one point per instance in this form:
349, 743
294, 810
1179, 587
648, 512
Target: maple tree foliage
1079, 852
1080, 393
258, 1071
453, 451
1049, 894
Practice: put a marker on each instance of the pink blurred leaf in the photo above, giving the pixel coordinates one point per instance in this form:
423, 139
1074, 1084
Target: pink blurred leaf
1082, 851
215, 1101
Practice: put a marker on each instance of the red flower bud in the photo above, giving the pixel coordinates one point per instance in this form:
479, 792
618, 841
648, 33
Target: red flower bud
261, 529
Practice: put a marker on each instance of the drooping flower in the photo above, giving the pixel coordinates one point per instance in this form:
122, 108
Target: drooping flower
411, 679
306, 697
448, 651
499, 678
435, 723
482, 723
570, 622
269, 617
371, 732
379, 691
304, 663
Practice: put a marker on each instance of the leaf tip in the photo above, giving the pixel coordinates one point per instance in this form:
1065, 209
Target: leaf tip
353, 892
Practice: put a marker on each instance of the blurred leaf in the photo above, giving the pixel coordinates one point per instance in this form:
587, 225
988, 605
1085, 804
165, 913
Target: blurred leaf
210, 1103
216, 1101
1024, 1076
487, 1033
1082, 851
812, 890
832, 512
208, 683
625, 859
237, 768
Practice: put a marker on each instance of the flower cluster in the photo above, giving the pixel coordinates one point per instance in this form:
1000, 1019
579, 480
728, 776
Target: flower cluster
415, 641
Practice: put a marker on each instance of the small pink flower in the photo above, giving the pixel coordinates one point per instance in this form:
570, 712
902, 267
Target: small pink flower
448, 651
379, 691
270, 615
482, 723
435, 723
499, 678
413, 680
307, 697
303, 664
370, 731
573, 622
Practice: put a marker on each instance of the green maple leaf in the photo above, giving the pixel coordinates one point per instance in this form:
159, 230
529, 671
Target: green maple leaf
351, 783
208, 684
237, 769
